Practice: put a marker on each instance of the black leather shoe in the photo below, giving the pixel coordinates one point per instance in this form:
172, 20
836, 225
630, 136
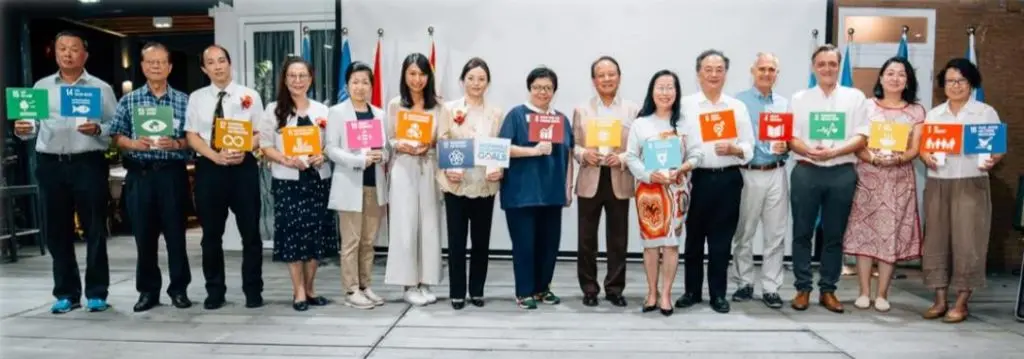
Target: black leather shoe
720, 305
458, 304
743, 294
667, 312
318, 301
212, 303
256, 301
146, 302
687, 300
477, 301
180, 301
590, 300
616, 300
300, 306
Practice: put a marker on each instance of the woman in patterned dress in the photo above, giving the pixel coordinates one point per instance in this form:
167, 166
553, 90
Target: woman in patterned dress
304, 230
662, 196
884, 226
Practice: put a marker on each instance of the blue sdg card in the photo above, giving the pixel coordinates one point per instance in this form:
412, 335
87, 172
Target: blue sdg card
662, 154
76, 101
985, 138
455, 153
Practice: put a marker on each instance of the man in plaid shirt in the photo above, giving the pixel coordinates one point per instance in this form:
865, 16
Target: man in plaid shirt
156, 186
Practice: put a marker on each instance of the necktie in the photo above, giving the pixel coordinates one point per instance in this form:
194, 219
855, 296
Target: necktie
218, 112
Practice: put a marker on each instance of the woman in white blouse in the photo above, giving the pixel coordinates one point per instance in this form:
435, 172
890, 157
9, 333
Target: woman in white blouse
304, 230
359, 186
469, 193
662, 196
957, 199
414, 222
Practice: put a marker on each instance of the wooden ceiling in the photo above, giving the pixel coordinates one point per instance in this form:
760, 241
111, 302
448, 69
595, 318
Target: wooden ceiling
143, 25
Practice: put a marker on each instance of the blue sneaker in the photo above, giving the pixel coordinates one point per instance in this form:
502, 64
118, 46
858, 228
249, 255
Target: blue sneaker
97, 305
64, 305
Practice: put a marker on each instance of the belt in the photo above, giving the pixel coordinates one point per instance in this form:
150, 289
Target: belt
765, 167
152, 165
716, 169
70, 157
812, 164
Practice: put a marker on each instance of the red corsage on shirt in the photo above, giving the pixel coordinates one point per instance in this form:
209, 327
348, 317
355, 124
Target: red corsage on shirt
459, 115
321, 122
246, 102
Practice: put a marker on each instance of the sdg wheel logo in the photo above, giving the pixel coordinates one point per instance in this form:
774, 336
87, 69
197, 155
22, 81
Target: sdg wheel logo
154, 126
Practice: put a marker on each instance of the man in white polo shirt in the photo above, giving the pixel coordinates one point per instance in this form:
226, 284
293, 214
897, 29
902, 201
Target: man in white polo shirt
717, 183
225, 179
825, 138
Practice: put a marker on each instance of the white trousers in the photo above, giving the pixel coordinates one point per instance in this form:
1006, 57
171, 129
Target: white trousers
765, 202
414, 223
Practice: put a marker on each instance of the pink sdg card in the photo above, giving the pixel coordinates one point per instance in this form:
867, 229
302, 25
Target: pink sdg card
364, 134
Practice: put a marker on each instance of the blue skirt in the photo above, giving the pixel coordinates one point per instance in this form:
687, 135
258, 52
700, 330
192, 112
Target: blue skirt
304, 229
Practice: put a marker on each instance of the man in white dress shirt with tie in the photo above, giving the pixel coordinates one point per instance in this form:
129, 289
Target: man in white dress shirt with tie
225, 178
824, 178
714, 118
72, 173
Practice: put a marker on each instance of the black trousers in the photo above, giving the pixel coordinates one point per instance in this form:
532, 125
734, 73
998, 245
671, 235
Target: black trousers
217, 189
468, 217
616, 218
155, 195
714, 214
536, 233
70, 184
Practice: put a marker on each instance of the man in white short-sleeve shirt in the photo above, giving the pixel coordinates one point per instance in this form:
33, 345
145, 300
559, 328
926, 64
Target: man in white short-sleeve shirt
825, 138
225, 179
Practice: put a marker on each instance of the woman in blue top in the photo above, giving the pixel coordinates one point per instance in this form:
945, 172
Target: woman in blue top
536, 187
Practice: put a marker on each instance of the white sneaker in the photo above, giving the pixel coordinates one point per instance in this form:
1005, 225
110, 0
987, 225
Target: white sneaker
358, 300
415, 297
862, 302
431, 298
882, 305
373, 297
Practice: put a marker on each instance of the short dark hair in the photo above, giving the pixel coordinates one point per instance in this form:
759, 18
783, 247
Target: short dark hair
202, 55
358, 66
542, 72
429, 91
910, 91
709, 53
155, 45
827, 48
593, 66
472, 64
965, 67
74, 34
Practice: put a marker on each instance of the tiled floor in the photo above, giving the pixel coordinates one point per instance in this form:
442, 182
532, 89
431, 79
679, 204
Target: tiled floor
499, 330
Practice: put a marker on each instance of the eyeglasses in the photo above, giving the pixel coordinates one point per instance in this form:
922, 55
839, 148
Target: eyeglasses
542, 88
957, 82
155, 62
294, 77
665, 89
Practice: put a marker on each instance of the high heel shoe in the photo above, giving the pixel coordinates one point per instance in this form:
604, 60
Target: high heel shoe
667, 312
648, 308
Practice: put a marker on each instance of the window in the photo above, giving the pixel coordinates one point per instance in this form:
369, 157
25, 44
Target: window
267, 46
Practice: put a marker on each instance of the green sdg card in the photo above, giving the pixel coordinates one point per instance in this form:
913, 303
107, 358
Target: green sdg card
27, 103
153, 121
828, 126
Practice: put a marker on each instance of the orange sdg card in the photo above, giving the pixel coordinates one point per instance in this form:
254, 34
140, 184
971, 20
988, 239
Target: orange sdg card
233, 134
720, 125
945, 138
415, 126
301, 141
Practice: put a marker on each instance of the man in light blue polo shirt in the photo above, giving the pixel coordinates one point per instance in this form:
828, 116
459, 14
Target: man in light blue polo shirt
72, 174
765, 198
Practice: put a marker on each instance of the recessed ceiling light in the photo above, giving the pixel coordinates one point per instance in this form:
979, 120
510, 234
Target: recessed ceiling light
88, 1
162, 22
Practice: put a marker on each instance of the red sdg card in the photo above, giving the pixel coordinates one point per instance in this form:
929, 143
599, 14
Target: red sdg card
546, 128
775, 126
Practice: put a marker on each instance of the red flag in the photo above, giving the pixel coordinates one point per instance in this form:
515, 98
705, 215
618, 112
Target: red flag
433, 56
378, 81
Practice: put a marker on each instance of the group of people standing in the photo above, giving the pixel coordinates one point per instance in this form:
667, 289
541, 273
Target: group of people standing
864, 199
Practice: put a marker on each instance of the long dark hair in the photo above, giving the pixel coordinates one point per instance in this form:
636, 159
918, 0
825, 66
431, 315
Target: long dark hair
909, 94
429, 93
650, 108
285, 104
